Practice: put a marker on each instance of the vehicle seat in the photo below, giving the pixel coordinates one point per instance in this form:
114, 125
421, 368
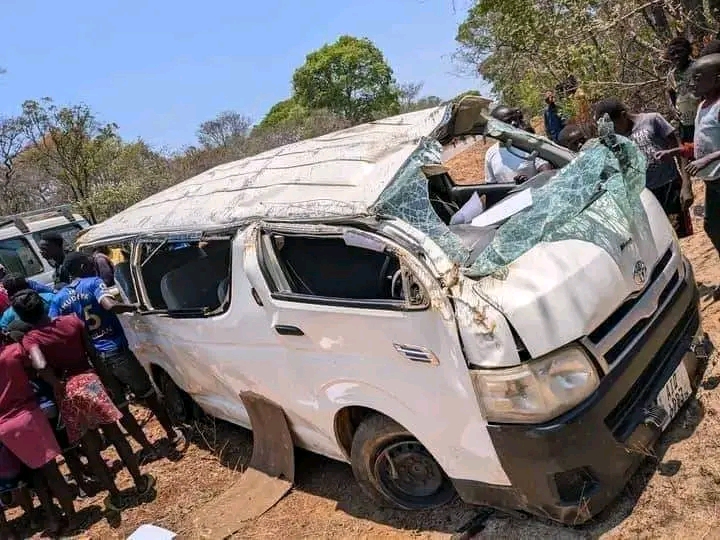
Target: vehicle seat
194, 285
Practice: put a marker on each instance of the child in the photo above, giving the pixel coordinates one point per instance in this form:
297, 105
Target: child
653, 135
682, 101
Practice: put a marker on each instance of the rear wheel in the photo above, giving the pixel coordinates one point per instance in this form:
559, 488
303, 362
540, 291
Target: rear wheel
179, 404
393, 466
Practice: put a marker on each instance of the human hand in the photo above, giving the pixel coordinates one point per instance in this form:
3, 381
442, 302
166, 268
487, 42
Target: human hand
521, 178
694, 167
663, 155
687, 198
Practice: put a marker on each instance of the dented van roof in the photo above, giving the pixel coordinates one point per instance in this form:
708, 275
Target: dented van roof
335, 175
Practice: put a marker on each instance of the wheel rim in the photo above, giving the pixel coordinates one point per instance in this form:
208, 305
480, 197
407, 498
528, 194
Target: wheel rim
408, 473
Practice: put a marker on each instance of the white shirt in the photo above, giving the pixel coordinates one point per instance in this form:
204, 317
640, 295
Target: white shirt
502, 167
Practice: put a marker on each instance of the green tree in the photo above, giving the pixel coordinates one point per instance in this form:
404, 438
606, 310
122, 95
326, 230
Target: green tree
349, 77
69, 144
287, 110
526, 47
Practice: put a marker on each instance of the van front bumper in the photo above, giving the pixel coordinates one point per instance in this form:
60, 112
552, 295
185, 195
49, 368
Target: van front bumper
573, 467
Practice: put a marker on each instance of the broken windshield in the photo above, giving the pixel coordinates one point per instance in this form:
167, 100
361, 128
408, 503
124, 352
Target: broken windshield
595, 198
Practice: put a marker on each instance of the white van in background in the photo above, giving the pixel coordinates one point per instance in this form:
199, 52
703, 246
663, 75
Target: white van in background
528, 363
20, 236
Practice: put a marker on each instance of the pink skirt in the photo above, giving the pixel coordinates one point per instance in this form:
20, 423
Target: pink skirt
28, 435
86, 406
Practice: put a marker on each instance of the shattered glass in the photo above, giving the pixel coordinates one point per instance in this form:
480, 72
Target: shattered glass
407, 198
595, 198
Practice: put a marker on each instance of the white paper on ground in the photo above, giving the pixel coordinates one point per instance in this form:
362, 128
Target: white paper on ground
470, 210
151, 532
504, 209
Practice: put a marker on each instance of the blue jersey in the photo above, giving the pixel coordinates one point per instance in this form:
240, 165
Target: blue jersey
82, 297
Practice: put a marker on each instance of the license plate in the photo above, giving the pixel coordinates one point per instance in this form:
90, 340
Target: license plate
675, 392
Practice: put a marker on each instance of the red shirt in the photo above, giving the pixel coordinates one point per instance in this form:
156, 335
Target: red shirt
62, 343
15, 391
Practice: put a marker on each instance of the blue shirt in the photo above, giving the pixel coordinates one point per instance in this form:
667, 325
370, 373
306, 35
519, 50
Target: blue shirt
39, 287
82, 297
10, 315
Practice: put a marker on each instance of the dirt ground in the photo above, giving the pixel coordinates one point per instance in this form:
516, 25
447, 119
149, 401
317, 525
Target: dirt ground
675, 495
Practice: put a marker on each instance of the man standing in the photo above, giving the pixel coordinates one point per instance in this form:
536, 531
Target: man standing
505, 166
681, 100
87, 297
52, 248
653, 135
553, 121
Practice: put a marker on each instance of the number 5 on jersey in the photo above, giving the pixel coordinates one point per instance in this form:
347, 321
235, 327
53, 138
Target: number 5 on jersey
92, 321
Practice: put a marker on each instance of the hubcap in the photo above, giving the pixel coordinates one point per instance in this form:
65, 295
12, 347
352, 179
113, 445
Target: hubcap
406, 469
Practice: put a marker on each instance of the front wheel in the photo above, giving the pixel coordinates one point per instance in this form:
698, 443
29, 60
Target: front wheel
180, 406
393, 466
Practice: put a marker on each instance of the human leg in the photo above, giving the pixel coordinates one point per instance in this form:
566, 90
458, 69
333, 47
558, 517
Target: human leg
127, 369
115, 436
91, 445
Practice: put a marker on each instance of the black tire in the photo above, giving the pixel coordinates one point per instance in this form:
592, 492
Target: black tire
180, 406
392, 466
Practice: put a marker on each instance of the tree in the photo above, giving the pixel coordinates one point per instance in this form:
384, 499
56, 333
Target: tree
288, 110
69, 144
226, 128
526, 47
12, 141
349, 77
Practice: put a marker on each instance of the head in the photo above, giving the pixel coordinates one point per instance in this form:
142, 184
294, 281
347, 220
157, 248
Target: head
52, 247
679, 51
79, 265
617, 112
704, 76
29, 307
14, 283
573, 137
549, 98
509, 115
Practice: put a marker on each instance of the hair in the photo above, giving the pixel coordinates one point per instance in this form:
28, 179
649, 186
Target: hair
53, 238
504, 113
680, 41
613, 107
14, 283
570, 132
29, 306
79, 265
713, 47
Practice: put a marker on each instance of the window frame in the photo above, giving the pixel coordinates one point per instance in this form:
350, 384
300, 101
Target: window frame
36, 255
136, 263
37, 235
269, 264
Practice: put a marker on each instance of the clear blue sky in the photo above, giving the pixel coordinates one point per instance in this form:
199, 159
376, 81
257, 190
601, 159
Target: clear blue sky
158, 68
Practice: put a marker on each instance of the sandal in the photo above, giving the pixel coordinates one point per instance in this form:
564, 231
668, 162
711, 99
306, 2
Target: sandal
115, 506
179, 442
149, 485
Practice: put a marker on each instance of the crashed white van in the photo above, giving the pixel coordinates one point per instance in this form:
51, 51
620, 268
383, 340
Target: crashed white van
525, 361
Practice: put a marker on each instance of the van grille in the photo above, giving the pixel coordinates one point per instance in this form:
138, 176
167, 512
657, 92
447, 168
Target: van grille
619, 314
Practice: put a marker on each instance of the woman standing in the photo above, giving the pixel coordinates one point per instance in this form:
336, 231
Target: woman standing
63, 347
26, 433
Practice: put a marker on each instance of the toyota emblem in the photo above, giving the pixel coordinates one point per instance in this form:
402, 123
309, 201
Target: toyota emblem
640, 273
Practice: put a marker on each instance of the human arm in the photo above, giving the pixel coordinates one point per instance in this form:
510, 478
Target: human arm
39, 364
106, 300
39, 287
673, 142
694, 167
105, 270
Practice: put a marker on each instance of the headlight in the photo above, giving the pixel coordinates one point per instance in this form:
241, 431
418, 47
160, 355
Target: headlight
537, 391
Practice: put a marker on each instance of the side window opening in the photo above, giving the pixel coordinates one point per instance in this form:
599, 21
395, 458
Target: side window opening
68, 232
18, 257
120, 257
326, 267
190, 278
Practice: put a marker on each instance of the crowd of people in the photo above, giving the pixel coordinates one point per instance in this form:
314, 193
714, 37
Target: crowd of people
67, 376
687, 145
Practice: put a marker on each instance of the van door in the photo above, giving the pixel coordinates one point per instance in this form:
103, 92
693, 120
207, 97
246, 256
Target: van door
353, 311
199, 323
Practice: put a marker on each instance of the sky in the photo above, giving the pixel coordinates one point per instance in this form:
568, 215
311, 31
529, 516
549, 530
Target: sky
159, 68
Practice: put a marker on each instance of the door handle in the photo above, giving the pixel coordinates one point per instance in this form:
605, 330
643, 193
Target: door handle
285, 330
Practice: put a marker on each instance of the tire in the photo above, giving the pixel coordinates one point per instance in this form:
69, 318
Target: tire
180, 406
392, 467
